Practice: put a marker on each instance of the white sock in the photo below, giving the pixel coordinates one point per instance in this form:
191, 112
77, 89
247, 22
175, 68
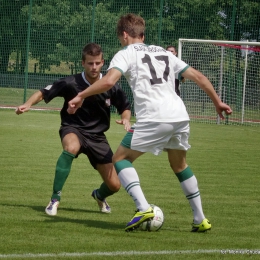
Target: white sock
130, 181
191, 191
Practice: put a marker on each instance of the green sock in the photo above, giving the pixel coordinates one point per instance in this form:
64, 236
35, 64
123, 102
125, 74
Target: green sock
62, 172
104, 191
185, 174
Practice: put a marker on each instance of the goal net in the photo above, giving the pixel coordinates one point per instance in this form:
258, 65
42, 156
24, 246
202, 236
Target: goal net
234, 70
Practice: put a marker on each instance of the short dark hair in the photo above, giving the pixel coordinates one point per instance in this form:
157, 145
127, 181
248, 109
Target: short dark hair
171, 46
132, 24
92, 49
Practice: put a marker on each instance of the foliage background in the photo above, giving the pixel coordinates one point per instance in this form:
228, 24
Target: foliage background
54, 31
41, 40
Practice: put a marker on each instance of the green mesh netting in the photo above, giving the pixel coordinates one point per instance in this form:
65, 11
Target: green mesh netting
41, 40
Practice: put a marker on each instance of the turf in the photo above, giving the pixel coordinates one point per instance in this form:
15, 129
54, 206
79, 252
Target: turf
225, 160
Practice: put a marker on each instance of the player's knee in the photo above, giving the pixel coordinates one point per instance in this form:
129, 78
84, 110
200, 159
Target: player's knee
72, 149
114, 186
178, 167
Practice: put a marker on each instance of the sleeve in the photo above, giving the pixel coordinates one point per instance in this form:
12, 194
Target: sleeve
119, 99
120, 62
54, 90
179, 67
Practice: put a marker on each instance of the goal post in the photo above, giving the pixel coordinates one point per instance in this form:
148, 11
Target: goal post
233, 67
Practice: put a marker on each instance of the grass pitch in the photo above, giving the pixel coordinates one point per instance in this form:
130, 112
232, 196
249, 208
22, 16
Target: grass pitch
225, 160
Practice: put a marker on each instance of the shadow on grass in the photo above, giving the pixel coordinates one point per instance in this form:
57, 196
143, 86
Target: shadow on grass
42, 209
89, 218
88, 222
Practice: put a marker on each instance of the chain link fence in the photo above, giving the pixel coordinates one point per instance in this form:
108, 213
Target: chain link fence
41, 40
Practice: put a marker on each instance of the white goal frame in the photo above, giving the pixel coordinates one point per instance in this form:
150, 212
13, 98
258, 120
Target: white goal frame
181, 48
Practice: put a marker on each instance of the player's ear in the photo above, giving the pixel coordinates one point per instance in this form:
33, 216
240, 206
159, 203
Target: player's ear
125, 35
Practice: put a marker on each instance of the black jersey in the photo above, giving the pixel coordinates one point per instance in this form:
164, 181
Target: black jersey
94, 114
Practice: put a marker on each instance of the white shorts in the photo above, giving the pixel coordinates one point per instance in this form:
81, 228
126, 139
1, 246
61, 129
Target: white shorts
156, 137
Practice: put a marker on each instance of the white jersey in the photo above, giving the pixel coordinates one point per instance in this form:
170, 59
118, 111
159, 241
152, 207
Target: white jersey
150, 71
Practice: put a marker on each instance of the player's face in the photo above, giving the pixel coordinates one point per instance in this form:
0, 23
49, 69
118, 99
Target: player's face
172, 50
92, 66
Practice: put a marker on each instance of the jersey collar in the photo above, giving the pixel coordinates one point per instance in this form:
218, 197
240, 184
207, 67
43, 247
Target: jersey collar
84, 78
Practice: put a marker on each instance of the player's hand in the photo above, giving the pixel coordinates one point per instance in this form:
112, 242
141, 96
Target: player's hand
222, 107
21, 109
125, 122
74, 104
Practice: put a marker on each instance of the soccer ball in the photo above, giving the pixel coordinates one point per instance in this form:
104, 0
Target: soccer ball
154, 224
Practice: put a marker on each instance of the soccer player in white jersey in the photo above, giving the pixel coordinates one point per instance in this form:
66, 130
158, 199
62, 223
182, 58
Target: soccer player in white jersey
162, 122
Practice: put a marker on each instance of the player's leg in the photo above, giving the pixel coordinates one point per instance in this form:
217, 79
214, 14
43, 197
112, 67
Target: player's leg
142, 137
110, 186
189, 185
71, 147
177, 147
100, 155
128, 176
109, 176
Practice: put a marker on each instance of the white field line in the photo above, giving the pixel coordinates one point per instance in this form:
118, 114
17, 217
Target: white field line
34, 108
130, 253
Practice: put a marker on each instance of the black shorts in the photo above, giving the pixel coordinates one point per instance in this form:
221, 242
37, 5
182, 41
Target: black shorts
95, 146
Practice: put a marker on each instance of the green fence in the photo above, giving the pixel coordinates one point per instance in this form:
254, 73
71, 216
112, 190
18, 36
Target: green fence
41, 40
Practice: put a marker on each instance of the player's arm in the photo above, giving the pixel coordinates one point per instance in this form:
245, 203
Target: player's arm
34, 99
100, 86
206, 85
125, 119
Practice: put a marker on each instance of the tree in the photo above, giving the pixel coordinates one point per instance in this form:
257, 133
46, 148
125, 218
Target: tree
13, 31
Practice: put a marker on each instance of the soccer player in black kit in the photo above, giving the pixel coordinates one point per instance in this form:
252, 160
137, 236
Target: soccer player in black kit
83, 132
